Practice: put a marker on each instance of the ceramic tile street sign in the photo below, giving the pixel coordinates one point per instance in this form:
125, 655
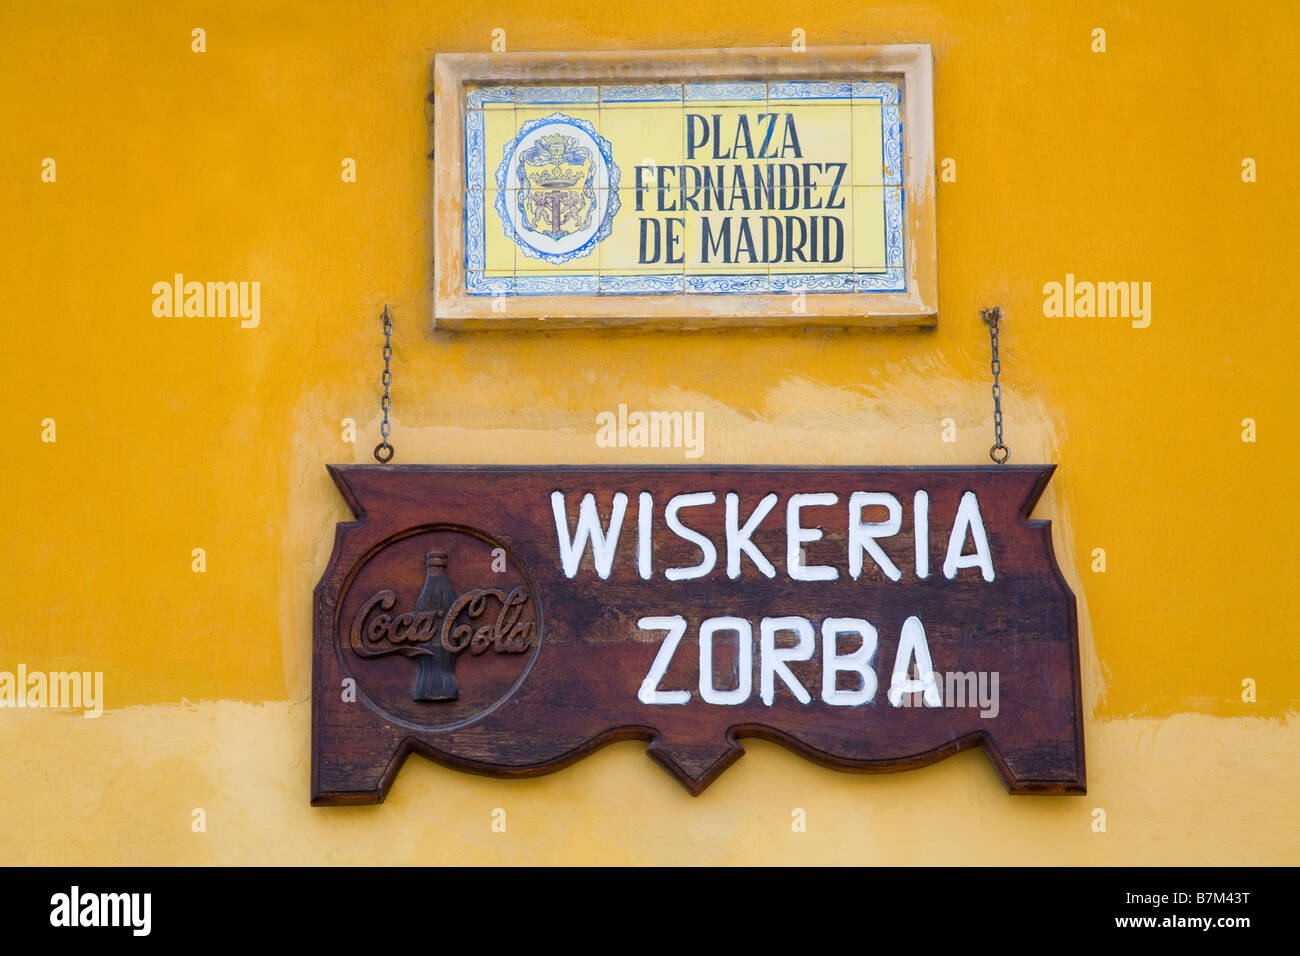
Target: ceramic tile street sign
756, 187
509, 620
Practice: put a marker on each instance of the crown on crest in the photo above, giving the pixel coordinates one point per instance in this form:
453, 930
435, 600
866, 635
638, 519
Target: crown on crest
553, 171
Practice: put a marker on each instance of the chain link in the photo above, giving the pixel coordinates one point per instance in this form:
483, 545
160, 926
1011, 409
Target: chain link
999, 452
384, 451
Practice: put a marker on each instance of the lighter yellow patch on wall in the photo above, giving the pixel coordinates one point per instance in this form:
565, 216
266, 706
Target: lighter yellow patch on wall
1172, 789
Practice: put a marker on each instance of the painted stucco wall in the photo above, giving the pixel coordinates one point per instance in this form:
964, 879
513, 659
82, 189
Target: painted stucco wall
174, 434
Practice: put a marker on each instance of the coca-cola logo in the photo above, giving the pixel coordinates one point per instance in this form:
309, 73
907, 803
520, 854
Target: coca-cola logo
439, 625
375, 632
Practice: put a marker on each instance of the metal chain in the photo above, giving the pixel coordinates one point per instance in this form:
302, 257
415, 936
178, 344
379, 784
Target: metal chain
384, 451
999, 452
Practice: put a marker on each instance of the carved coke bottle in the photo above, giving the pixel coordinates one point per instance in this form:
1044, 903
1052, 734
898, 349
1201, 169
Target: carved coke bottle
435, 672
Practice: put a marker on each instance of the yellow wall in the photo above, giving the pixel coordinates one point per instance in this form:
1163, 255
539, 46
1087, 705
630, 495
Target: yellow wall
174, 434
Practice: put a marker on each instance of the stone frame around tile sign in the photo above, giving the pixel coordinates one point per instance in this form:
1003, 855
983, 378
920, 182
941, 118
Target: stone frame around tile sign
912, 296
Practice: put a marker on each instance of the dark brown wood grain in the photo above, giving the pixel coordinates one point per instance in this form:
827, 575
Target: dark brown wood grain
575, 688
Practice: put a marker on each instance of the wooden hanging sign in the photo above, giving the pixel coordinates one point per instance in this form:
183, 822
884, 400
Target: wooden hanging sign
510, 620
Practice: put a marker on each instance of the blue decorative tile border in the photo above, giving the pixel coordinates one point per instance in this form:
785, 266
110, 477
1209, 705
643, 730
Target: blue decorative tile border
812, 282
879, 91
809, 90
531, 283
641, 284
891, 279
642, 93
479, 96
891, 126
475, 178
706, 92
728, 284
556, 96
